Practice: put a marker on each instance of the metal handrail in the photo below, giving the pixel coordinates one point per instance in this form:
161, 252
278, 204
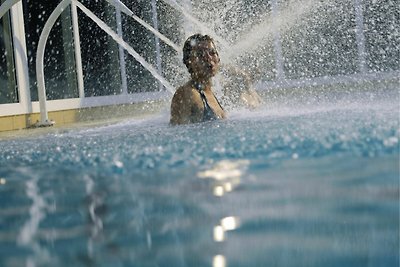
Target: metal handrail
44, 120
7, 5
128, 12
44, 117
125, 45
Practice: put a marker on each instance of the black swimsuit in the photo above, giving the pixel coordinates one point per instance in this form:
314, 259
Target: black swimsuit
209, 113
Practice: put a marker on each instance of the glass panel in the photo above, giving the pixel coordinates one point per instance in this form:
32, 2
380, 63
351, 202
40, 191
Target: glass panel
100, 56
8, 87
60, 74
143, 42
170, 24
382, 35
320, 40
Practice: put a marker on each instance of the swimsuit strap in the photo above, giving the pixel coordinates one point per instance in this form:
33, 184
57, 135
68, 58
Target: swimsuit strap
201, 91
204, 98
209, 113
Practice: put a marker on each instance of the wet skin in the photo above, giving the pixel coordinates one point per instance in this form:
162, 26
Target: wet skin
187, 105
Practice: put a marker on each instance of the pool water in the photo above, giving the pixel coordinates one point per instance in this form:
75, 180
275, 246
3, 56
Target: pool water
282, 186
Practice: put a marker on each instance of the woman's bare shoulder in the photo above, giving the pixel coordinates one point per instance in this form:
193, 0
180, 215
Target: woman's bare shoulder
185, 91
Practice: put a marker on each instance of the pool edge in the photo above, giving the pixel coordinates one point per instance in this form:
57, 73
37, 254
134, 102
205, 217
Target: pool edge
97, 115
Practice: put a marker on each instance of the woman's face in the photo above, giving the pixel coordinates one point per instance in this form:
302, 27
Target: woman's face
204, 60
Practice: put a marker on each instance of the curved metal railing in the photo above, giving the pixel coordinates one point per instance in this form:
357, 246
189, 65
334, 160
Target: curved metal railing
7, 5
127, 11
44, 120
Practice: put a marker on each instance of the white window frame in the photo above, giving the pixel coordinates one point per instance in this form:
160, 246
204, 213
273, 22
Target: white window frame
24, 105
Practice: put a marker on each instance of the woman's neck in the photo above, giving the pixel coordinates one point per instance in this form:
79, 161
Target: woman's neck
203, 84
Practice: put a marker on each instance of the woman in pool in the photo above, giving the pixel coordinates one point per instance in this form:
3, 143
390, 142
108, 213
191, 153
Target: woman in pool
195, 101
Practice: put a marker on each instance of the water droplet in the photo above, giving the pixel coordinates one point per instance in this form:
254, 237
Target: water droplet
391, 141
118, 164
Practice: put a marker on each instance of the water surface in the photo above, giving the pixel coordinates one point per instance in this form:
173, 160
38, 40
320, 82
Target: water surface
282, 186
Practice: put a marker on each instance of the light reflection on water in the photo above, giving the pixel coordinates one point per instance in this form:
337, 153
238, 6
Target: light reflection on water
219, 261
226, 175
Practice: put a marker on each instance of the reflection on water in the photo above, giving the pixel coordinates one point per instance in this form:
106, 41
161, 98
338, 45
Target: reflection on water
27, 236
230, 223
226, 224
219, 233
95, 222
226, 176
219, 261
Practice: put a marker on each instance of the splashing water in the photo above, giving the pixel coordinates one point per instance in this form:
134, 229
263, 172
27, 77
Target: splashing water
245, 37
309, 179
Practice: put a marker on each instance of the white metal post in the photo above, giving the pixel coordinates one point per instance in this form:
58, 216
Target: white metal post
280, 73
126, 46
21, 57
77, 48
187, 24
157, 40
360, 39
44, 117
4, 7
122, 62
128, 12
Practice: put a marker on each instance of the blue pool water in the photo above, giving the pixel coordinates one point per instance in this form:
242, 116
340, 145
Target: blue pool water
283, 186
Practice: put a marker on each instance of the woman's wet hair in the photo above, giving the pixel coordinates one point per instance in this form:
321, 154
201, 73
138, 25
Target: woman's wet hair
190, 43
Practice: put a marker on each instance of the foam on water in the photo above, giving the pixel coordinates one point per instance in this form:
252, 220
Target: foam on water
349, 125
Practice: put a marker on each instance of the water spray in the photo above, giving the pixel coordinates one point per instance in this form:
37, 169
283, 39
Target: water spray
198, 23
118, 4
126, 46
